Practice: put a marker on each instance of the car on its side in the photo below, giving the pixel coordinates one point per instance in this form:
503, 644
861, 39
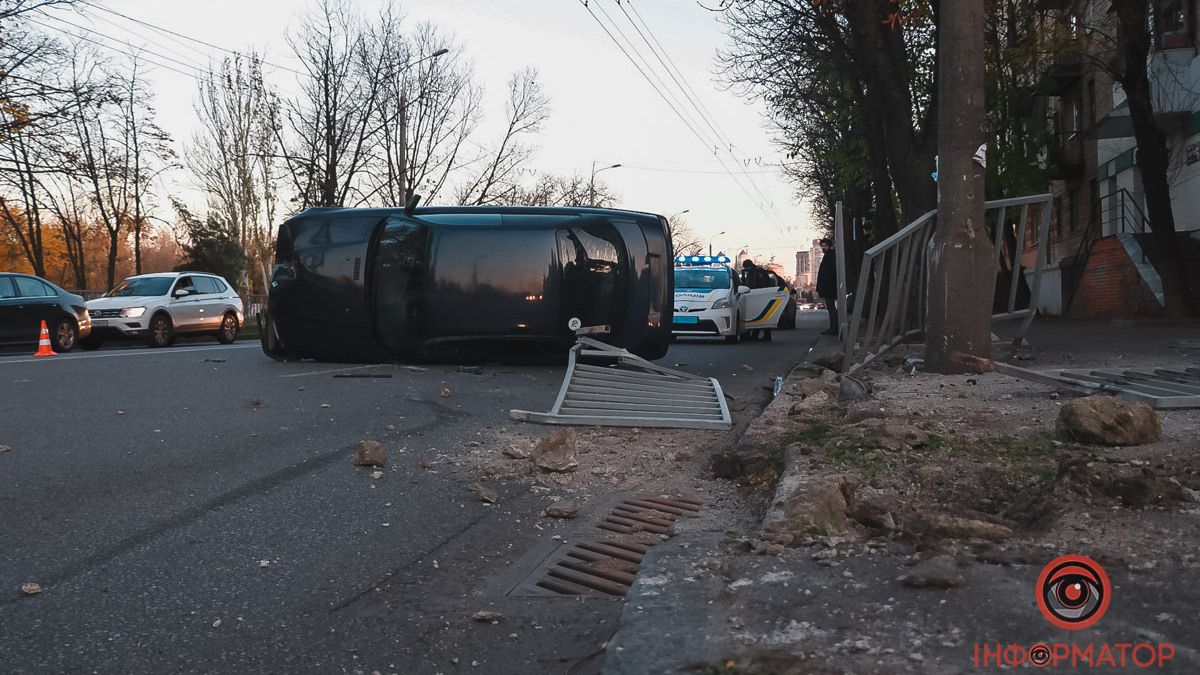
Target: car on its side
160, 307
26, 301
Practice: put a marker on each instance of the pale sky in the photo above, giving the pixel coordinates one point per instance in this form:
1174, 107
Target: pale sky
602, 109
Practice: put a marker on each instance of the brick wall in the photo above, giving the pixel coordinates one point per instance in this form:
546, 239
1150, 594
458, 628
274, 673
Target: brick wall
1111, 286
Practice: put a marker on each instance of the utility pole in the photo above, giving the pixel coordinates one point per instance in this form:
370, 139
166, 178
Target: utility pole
961, 270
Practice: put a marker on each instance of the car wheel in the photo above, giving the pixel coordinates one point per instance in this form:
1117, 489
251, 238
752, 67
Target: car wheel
229, 329
64, 336
766, 336
162, 331
733, 339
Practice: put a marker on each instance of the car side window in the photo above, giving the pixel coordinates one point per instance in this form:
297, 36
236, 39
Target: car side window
32, 288
206, 285
7, 290
184, 284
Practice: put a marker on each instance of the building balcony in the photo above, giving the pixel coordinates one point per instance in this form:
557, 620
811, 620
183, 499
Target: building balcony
1063, 73
1065, 155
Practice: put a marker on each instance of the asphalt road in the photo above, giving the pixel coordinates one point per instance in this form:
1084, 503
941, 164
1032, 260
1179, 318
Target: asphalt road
193, 509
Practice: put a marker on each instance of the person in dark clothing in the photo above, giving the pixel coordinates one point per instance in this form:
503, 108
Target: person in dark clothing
753, 275
827, 284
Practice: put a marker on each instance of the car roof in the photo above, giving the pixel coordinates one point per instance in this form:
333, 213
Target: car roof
482, 210
169, 275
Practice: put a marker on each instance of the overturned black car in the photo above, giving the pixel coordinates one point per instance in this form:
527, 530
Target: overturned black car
369, 285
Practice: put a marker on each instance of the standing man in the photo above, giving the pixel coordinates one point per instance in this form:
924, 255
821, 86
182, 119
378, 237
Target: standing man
827, 284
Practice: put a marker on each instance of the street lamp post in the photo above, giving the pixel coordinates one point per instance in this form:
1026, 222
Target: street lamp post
592, 182
403, 168
710, 241
679, 214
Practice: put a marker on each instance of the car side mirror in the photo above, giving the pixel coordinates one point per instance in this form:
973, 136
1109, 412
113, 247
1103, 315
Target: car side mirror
742, 290
181, 292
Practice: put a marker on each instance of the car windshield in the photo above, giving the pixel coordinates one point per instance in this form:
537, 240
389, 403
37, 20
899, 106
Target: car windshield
139, 287
703, 279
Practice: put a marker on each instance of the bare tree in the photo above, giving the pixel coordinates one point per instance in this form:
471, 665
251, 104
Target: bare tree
527, 109
233, 154
147, 150
684, 240
429, 108
333, 123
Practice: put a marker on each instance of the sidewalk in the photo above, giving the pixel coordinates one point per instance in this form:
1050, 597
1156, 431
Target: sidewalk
909, 530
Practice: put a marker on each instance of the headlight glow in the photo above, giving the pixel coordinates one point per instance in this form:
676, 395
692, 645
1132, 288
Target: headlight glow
723, 303
133, 312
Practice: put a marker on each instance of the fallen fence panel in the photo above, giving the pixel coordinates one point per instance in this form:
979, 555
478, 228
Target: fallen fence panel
631, 392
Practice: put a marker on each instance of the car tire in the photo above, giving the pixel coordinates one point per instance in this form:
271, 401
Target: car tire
766, 336
733, 339
64, 336
229, 329
161, 331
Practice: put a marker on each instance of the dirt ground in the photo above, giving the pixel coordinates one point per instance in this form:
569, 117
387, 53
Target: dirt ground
985, 447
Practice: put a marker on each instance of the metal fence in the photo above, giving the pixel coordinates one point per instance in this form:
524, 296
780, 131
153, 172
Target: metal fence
888, 304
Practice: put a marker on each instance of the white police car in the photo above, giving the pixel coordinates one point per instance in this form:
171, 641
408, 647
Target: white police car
711, 301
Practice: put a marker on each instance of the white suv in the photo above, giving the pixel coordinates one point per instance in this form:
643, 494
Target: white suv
158, 307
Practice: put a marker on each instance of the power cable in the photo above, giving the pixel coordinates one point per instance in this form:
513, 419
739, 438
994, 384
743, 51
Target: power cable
666, 100
664, 58
168, 31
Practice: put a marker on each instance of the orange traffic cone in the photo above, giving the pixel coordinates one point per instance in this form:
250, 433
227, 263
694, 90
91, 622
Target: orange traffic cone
44, 348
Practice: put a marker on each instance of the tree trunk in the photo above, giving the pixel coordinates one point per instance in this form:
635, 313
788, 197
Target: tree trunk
961, 273
881, 53
1153, 155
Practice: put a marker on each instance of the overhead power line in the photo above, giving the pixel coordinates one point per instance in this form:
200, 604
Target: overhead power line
664, 58
682, 118
168, 31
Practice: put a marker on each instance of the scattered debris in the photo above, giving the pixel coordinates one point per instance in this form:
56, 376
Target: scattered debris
565, 510
216, 624
486, 494
376, 475
556, 452
426, 464
326, 405
31, 589
370, 453
264, 563
5, 448
471, 370
940, 571
445, 393
485, 616
1109, 421
515, 452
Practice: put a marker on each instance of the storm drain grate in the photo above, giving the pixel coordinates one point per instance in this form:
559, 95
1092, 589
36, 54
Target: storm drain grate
609, 565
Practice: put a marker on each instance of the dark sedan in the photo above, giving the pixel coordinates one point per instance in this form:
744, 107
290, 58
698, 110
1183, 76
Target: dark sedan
26, 301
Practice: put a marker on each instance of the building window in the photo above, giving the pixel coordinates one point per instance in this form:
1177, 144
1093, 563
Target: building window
1171, 24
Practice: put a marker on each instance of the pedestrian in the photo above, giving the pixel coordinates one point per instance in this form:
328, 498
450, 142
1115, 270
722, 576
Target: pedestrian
752, 275
827, 284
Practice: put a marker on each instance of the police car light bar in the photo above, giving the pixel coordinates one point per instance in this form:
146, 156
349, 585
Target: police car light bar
701, 259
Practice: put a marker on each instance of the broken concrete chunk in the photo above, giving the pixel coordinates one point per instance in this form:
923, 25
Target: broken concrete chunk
1109, 421
370, 453
957, 527
516, 452
556, 452
486, 494
30, 589
564, 509
485, 616
4, 448
940, 571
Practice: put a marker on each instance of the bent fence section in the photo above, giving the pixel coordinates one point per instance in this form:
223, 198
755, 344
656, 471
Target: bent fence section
888, 303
